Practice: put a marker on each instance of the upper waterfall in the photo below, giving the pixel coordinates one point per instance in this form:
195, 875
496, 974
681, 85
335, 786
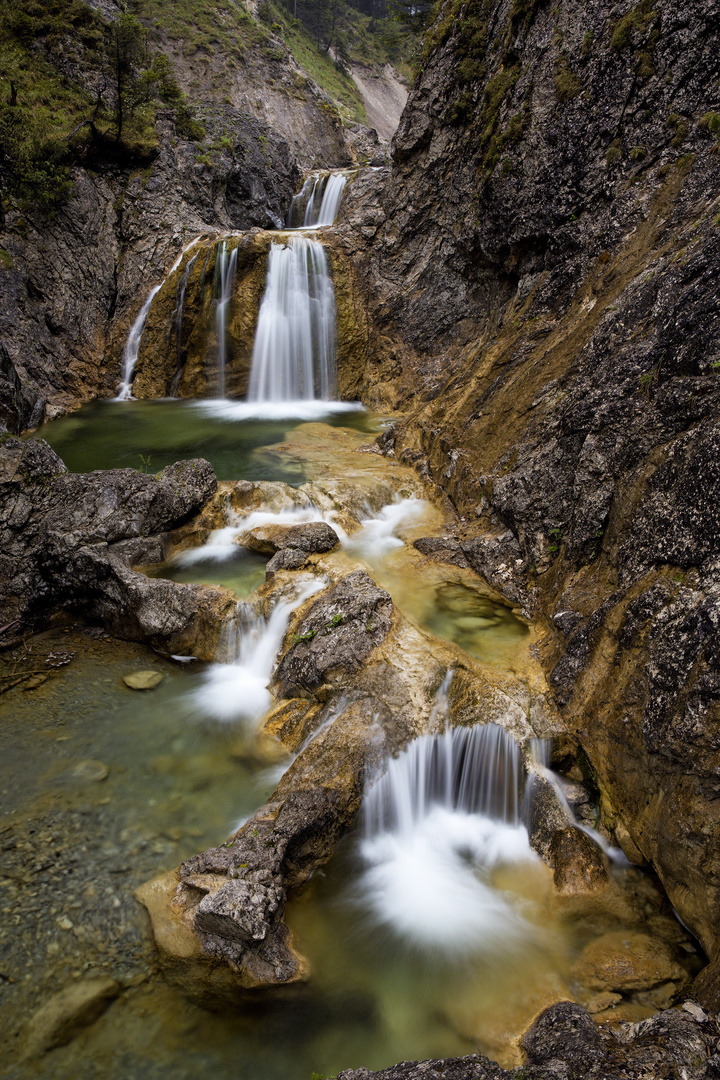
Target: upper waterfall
319, 200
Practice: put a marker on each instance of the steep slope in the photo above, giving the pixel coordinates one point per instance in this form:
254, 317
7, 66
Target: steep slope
545, 291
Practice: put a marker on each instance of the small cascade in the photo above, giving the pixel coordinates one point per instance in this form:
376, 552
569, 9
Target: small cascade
540, 768
236, 690
438, 824
376, 537
223, 285
318, 202
294, 352
132, 347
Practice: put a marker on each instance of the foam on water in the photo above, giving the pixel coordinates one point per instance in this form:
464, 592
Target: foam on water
376, 537
308, 410
439, 822
237, 691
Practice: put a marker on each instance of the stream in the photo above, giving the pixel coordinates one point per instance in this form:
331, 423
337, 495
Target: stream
432, 932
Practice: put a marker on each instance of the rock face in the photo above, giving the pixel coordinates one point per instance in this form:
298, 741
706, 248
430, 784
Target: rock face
565, 1044
68, 542
543, 271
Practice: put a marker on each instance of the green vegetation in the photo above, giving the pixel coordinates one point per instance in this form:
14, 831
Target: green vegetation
634, 22
75, 88
567, 84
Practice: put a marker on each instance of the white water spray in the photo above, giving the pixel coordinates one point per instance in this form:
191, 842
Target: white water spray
294, 353
237, 691
438, 823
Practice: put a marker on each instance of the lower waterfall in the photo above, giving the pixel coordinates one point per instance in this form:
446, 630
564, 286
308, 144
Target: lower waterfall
438, 823
294, 353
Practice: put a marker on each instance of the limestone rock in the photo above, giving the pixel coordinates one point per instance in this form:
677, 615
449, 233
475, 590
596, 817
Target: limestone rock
62, 545
626, 960
61, 1018
310, 537
579, 864
339, 632
143, 680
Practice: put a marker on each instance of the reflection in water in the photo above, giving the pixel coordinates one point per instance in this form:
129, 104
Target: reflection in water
150, 435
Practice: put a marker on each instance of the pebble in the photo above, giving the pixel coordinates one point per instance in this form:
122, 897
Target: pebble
90, 771
143, 680
64, 923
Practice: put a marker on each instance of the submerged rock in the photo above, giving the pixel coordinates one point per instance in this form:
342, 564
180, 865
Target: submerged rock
143, 680
66, 1013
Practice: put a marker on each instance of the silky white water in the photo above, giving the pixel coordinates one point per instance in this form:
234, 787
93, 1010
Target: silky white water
132, 346
438, 824
294, 352
223, 285
320, 196
236, 691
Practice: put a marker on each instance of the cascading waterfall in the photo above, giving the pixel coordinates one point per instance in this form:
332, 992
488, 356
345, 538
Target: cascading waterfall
177, 319
294, 353
223, 285
236, 691
438, 823
320, 196
132, 347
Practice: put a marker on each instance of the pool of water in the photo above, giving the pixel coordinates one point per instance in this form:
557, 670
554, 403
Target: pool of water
104, 787
149, 435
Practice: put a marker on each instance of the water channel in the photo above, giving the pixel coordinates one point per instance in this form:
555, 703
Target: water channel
432, 932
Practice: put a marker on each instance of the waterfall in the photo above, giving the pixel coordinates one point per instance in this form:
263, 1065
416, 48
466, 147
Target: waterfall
237, 689
320, 196
294, 352
132, 347
223, 285
442, 819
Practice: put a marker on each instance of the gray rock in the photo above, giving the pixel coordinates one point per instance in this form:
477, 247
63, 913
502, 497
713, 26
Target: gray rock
337, 635
58, 534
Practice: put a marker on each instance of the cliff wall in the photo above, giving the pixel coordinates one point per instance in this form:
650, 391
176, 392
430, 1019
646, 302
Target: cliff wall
544, 277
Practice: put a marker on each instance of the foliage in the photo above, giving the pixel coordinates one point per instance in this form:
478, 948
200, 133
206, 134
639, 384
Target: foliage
635, 21
73, 87
567, 84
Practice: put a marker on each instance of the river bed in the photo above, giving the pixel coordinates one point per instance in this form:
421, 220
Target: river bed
104, 787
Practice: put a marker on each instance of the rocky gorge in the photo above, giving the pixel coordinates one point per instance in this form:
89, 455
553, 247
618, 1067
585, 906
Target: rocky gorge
527, 290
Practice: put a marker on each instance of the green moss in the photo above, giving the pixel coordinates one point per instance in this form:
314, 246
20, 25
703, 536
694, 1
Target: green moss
635, 21
6, 260
614, 152
587, 43
567, 84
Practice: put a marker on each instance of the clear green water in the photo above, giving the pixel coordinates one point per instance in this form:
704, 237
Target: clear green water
149, 435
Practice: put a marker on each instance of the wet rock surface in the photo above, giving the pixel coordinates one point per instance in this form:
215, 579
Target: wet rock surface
336, 636
67, 542
565, 1044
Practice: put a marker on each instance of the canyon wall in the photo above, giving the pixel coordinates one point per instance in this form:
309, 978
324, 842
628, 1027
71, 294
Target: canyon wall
543, 277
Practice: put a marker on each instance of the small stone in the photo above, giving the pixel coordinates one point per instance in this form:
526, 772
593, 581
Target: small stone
143, 680
64, 923
90, 771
